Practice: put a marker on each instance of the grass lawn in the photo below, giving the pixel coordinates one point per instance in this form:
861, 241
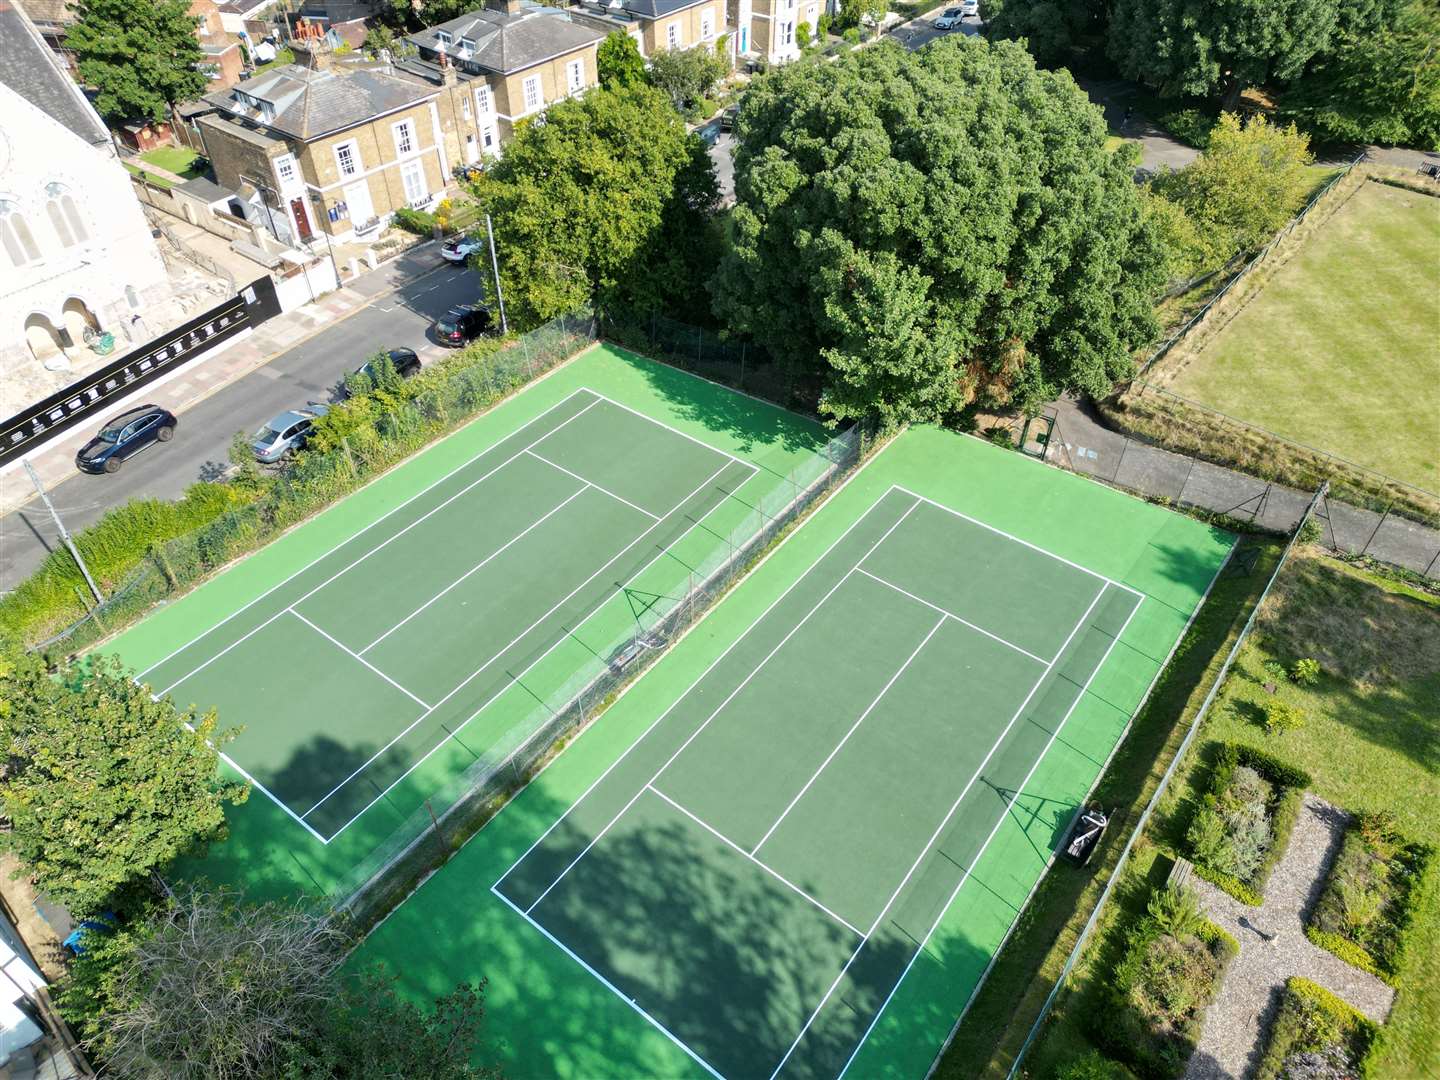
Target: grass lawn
176, 159
150, 177
284, 56
1371, 741
1338, 349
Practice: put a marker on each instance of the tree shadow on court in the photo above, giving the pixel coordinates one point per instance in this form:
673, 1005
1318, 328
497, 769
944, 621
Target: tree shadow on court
1188, 566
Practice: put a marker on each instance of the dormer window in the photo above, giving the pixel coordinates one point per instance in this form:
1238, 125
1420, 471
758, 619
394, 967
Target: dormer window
467, 46
443, 38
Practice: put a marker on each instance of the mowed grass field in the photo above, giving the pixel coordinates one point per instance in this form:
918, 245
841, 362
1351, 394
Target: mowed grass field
1338, 350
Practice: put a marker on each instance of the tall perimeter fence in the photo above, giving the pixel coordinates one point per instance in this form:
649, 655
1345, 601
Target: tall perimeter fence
1084, 938
1149, 411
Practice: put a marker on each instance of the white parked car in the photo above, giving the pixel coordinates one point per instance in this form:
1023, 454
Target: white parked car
970, 7
460, 248
949, 20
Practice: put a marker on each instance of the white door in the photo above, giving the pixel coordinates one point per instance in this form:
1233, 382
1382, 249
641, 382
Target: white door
357, 197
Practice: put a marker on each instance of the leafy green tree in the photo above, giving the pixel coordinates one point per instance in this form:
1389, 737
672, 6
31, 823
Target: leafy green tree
1217, 48
687, 76
1377, 84
862, 14
1187, 251
610, 198
1250, 180
936, 228
1052, 29
802, 35
103, 785
618, 61
142, 56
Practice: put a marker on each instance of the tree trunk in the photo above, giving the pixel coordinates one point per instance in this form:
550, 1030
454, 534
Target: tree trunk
1230, 101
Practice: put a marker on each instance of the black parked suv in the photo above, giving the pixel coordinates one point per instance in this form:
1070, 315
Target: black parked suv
461, 324
124, 436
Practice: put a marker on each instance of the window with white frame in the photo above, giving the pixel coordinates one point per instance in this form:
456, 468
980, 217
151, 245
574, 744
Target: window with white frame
575, 76
442, 37
413, 175
467, 47
347, 158
482, 101
533, 97
285, 169
487, 136
787, 33
672, 35
707, 25
465, 107
15, 236
404, 137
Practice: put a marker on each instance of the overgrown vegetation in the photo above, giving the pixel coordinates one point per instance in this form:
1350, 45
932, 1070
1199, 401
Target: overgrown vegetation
1315, 1036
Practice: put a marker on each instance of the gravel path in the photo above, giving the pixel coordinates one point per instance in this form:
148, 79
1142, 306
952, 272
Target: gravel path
1237, 1023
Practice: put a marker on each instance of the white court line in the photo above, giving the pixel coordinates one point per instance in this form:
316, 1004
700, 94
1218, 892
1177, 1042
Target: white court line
728, 698
1023, 543
675, 430
941, 827
728, 649
750, 855
952, 615
494, 554
341, 645
965, 876
560, 640
362, 558
853, 727
597, 487
330, 551
609, 986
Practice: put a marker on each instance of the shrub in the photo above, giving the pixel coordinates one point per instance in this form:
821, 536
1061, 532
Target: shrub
822, 26
1176, 912
1306, 672
1281, 716
1315, 1036
415, 221
1276, 670
1310, 532
1093, 1066
802, 35
1190, 126
852, 35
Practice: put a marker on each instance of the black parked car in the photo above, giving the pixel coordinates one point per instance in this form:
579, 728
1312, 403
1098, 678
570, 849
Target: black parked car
461, 324
405, 361
125, 436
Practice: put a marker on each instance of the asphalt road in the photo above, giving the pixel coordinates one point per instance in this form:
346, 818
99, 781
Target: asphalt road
201, 447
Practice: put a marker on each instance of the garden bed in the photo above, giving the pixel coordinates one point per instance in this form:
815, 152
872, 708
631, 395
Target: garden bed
1370, 896
1243, 824
1315, 1034
1172, 966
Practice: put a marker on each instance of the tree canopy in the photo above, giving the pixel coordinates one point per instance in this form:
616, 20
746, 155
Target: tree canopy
618, 61
938, 228
609, 198
102, 784
687, 76
141, 56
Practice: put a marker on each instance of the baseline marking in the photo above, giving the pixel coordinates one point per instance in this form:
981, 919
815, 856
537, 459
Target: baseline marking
597, 487
750, 855
560, 640
965, 876
952, 615
345, 648
941, 827
853, 727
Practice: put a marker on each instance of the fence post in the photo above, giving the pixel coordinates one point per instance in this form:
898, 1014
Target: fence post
1376, 532
699, 345
741, 383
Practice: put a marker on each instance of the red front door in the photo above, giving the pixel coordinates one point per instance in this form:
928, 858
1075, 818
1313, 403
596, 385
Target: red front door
302, 222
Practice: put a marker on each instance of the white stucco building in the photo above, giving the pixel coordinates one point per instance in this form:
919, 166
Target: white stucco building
76, 252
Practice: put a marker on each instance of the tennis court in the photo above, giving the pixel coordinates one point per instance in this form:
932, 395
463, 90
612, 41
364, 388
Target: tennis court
352, 671
817, 796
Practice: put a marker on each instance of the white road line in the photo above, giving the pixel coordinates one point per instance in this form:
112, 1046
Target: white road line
951, 615
384, 543
494, 554
1024, 543
940, 828
597, 487
357, 656
610, 986
853, 727
965, 876
728, 649
728, 698
750, 855
330, 551
520, 675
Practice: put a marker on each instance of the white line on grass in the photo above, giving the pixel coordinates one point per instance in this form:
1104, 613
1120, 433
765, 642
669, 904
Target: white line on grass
965, 876
951, 615
940, 828
597, 487
342, 646
521, 674
610, 986
750, 856
853, 727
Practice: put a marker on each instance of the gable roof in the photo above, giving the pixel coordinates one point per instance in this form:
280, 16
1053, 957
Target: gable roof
505, 43
306, 104
29, 68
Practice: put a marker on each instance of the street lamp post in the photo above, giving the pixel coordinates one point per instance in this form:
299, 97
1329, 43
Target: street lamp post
318, 198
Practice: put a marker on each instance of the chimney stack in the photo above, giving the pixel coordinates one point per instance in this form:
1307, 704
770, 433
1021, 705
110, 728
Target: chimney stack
505, 7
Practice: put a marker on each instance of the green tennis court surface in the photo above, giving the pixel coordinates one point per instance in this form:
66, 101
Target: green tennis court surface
793, 848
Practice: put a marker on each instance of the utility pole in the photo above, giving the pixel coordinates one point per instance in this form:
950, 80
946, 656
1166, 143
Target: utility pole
495, 266
64, 533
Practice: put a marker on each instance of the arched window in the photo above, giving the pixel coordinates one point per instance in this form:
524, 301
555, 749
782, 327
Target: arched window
65, 216
15, 235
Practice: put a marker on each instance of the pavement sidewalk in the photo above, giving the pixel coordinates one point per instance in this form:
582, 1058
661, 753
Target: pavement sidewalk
201, 378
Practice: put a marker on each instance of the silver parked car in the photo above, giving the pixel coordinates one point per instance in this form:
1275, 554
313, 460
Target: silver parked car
285, 433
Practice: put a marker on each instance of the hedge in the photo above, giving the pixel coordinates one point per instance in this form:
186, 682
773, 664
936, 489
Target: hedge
1304, 1008
1290, 782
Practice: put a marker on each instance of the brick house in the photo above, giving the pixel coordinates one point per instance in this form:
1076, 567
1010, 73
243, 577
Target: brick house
223, 62
657, 25
493, 67
767, 27
315, 146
